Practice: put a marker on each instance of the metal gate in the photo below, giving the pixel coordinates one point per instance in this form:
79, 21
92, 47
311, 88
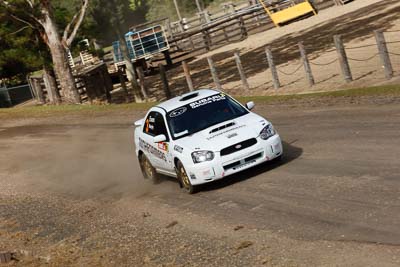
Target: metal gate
11, 96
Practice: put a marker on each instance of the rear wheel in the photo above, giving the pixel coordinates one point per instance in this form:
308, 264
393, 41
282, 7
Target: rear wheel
148, 171
184, 178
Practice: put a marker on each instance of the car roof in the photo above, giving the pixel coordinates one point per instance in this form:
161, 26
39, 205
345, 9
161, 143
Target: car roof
187, 98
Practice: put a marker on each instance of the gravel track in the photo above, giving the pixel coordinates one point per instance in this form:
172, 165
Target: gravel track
72, 194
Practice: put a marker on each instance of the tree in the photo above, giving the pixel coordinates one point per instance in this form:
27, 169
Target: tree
39, 16
19, 52
160, 9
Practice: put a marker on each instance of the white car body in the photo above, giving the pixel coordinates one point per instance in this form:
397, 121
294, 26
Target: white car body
236, 144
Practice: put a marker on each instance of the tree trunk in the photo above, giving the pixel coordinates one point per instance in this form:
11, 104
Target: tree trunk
130, 71
59, 57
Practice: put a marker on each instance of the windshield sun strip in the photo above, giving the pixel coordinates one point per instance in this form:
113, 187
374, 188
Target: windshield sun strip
244, 112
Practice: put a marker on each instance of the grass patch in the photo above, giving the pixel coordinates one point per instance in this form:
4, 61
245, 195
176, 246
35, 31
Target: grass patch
107, 49
65, 110
47, 111
358, 92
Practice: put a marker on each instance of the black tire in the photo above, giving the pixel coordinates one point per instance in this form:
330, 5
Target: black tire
148, 171
184, 179
279, 158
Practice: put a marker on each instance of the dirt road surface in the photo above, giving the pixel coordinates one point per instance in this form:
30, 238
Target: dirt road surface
71, 193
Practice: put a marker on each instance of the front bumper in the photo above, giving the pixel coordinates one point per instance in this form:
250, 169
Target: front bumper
221, 166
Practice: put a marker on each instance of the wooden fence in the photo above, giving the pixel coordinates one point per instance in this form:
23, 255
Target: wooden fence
203, 18
204, 33
92, 82
341, 63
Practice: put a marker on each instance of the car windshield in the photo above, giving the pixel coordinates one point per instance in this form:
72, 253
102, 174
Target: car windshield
203, 113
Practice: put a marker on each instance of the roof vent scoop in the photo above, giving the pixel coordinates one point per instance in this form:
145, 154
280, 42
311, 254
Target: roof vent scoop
222, 127
188, 96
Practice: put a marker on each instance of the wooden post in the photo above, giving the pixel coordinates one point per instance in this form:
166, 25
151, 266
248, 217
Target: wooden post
88, 88
123, 84
50, 91
167, 57
142, 82
214, 73
107, 90
206, 16
225, 34
191, 43
344, 63
164, 81
338, 2
384, 53
256, 18
7, 101
252, 2
177, 10
54, 85
51, 87
108, 85
186, 70
30, 87
243, 30
241, 71
39, 90
306, 64
97, 81
274, 72
198, 6
207, 40
169, 29
5, 257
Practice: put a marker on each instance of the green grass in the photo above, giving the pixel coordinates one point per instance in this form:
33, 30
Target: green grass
95, 110
107, 49
358, 92
65, 110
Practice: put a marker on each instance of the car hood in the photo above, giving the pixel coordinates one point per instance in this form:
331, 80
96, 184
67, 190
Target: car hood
218, 136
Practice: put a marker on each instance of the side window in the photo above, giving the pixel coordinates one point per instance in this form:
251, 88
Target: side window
160, 126
149, 124
155, 125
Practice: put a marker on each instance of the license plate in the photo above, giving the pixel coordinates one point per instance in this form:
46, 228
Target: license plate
244, 165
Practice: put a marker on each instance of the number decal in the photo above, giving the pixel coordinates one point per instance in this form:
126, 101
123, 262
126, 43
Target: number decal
147, 125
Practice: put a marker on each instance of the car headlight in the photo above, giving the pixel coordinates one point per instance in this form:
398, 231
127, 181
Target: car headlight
201, 156
267, 132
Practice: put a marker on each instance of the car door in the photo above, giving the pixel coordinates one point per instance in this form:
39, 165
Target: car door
166, 163
157, 153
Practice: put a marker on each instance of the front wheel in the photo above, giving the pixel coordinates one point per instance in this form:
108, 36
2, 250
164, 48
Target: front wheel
278, 158
184, 179
148, 171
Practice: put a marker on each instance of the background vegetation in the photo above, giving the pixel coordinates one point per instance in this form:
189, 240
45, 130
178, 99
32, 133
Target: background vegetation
22, 52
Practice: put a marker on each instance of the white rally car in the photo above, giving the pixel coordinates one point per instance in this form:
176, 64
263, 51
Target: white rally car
203, 136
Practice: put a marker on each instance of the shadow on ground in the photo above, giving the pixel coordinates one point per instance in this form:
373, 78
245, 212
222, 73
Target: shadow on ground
318, 40
291, 153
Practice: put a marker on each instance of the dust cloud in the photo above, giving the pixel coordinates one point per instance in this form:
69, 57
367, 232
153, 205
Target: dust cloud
82, 161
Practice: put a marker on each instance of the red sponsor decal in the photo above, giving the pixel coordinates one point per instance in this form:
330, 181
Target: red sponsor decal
163, 146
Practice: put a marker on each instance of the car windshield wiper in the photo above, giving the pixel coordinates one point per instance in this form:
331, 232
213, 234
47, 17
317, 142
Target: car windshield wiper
177, 135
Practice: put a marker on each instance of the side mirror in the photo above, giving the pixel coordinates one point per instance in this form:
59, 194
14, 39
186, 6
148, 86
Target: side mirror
160, 138
139, 122
250, 105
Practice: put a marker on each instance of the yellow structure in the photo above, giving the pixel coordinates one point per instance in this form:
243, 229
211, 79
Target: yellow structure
289, 13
